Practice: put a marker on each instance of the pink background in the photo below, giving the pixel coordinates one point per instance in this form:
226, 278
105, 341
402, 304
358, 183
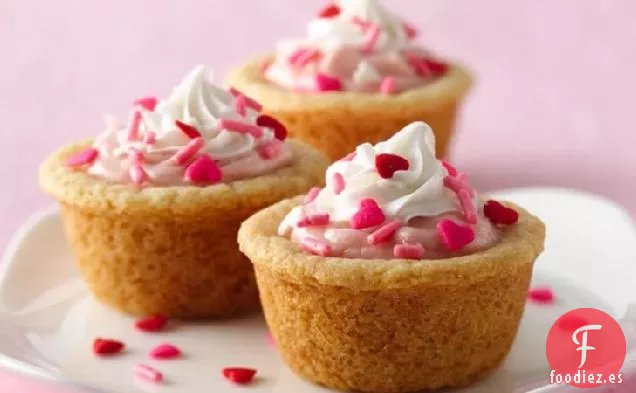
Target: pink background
553, 103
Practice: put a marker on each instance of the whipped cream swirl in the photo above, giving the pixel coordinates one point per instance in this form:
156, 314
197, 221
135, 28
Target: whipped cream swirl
414, 198
361, 46
198, 119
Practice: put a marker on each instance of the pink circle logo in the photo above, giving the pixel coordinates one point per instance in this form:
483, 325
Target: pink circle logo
586, 348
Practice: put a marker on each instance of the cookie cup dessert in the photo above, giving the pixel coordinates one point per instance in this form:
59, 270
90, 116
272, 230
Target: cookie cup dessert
358, 77
393, 281
151, 210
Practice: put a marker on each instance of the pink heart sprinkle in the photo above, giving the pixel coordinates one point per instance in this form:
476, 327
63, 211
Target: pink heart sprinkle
453, 235
82, 158
541, 295
204, 170
165, 352
369, 215
325, 82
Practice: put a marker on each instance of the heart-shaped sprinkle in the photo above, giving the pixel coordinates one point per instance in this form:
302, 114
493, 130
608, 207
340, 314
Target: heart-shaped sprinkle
317, 247
165, 352
147, 373
280, 131
190, 131
368, 215
384, 233
326, 82
500, 214
239, 375
312, 195
452, 171
454, 236
411, 32
151, 324
408, 251
329, 11
541, 295
387, 164
82, 158
147, 103
106, 346
204, 170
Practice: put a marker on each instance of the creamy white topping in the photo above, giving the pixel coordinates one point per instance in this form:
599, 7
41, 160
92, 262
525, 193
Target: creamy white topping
197, 103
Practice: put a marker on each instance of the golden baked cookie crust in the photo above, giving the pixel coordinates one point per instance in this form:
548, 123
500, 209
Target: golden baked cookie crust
337, 122
172, 250
391, 326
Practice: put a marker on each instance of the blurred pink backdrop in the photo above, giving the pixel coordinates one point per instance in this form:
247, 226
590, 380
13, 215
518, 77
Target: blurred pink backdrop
553, 103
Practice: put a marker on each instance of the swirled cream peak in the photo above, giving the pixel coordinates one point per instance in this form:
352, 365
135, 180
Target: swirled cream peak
200, 134
355, 45
392, 199
416, 191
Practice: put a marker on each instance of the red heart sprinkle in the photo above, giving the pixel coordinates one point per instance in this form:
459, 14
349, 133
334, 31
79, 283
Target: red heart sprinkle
82, 158
187, 129
105, 346
325, 82
165, 352
387, 164
541, 294
239, 375
280, 131
500, 214
148, 103
453, 235
151, 324
329, 11
369, 215
204, 170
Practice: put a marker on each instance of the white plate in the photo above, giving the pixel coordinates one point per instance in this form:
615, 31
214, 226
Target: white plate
47, 319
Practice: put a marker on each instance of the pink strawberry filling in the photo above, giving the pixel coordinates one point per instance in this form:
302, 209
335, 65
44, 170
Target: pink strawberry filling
380, 241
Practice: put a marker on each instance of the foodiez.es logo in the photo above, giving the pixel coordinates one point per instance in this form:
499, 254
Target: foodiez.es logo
586, 348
